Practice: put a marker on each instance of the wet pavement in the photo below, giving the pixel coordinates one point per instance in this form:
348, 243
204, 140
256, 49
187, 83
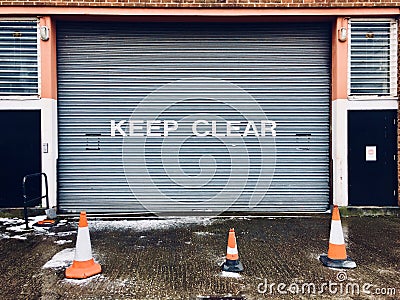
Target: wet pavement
180, 258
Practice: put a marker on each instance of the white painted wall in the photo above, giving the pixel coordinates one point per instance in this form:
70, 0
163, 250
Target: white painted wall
340, 108
48, 108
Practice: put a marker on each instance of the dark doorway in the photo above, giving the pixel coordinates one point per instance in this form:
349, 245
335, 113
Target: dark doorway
372, 157
20, 154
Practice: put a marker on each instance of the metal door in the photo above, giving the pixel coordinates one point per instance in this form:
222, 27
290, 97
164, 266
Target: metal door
20, 154
372, 157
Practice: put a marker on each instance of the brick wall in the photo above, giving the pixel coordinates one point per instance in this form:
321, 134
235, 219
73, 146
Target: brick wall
207, 3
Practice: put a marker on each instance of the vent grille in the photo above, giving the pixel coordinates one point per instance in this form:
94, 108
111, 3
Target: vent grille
19, 58
373, 69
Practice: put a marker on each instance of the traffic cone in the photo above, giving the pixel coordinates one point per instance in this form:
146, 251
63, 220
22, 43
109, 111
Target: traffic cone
337, 256
232, 262
83, 265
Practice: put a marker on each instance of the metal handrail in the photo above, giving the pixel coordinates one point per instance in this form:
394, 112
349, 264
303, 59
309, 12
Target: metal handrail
26, 202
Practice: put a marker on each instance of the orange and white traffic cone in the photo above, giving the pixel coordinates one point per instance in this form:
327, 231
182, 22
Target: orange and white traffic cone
337, 256
232, 262
83, 265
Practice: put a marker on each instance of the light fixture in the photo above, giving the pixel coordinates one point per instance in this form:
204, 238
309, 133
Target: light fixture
342, 34
44, 33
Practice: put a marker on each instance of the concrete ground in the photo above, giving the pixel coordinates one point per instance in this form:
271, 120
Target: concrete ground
180, 258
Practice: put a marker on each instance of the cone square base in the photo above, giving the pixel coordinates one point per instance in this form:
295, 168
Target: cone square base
339, 264
82, 270
232, 266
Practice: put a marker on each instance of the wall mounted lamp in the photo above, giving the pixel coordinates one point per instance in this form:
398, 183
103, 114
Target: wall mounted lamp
342, 34
44, 33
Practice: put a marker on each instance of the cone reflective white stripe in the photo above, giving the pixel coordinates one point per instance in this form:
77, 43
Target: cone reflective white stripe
83, 250
336, 236
230, 250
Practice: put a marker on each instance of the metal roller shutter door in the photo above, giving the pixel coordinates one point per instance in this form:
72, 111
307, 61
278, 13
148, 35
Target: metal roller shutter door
106, 71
